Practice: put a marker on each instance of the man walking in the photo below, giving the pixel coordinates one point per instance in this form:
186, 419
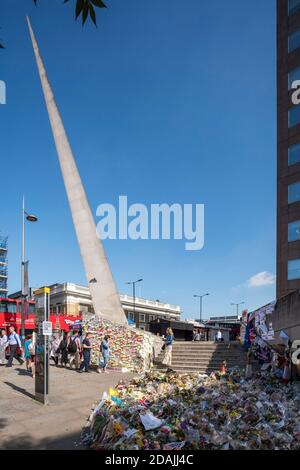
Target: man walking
86, 345
14, 343
74, 350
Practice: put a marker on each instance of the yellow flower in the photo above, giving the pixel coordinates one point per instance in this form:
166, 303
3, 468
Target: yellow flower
118, 428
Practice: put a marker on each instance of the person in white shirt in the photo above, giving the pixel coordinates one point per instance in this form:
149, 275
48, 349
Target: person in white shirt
3, 346
219, 335
14, 343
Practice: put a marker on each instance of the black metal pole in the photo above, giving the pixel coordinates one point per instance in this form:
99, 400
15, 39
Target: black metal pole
201, 309
133, 288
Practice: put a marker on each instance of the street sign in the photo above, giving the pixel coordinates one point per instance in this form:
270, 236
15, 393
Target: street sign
47, 328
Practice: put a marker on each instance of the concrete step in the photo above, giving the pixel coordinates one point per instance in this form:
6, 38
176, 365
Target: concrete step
204, 346
205, 358
201, 354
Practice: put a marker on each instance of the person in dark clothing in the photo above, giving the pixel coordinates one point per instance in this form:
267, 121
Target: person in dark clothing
86, 346
63, 348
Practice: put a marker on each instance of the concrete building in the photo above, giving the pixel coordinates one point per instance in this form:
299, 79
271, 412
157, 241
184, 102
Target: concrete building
74, 299
288, 147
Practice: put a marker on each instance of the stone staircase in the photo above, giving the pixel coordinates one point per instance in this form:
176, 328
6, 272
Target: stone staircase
203, 357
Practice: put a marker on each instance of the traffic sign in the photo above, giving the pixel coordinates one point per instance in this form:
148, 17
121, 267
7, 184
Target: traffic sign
47, 328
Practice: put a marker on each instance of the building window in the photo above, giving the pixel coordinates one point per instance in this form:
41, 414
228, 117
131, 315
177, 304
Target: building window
151, 317
130, 316
294, 41
294, 231
294, 269
294, 6
294, 116
294, 75
142, 317
294, 193
294, 154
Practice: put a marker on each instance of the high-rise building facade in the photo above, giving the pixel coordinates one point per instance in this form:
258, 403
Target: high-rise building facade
3, 266
288, 147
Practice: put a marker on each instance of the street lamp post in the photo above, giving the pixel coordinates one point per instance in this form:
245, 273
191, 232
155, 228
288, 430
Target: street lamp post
237, 306
24, 288
200, 297
133, 283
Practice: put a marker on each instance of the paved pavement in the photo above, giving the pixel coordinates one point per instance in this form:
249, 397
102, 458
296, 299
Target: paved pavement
26, 424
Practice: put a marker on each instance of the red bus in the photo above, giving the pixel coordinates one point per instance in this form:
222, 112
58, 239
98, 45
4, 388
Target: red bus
11, 312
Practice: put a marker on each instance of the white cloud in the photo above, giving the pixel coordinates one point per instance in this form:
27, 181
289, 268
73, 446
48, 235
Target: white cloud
261, 279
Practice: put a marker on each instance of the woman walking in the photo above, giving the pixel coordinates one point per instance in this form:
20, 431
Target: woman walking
27, 353
104, 350
54, 355
167, 360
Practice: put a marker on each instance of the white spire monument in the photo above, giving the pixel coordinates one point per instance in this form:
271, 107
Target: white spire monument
106, 300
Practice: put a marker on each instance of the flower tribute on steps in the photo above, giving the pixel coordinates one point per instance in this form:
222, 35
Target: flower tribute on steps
131, 349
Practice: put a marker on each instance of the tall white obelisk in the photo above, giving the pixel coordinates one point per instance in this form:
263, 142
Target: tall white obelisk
105, 297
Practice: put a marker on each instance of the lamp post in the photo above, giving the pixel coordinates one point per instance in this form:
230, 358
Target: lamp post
200, 297
24, 288
133, 283
237, 306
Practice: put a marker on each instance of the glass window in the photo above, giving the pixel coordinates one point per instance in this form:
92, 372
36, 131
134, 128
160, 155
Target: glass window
294, 41
294, 5
130, 316
294, 192
142, 317
31, 308
294, 75
294, 231
294, 154
294, 269
11, 307
294, 116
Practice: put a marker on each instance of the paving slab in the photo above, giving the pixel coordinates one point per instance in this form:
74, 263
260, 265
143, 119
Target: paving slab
26, 424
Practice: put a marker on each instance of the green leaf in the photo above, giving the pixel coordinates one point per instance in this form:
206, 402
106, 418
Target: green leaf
92, 14
79, 7
85, 12
98, 3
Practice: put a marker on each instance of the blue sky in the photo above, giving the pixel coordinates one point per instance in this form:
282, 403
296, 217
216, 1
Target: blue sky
166, 101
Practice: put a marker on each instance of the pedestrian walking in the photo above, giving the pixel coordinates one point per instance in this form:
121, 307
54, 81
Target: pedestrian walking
55, 351
74, 350
219, 336
63, 348
3, 346
86, 346
169, 338
27, 354
14, 344
104, 350
30, 355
